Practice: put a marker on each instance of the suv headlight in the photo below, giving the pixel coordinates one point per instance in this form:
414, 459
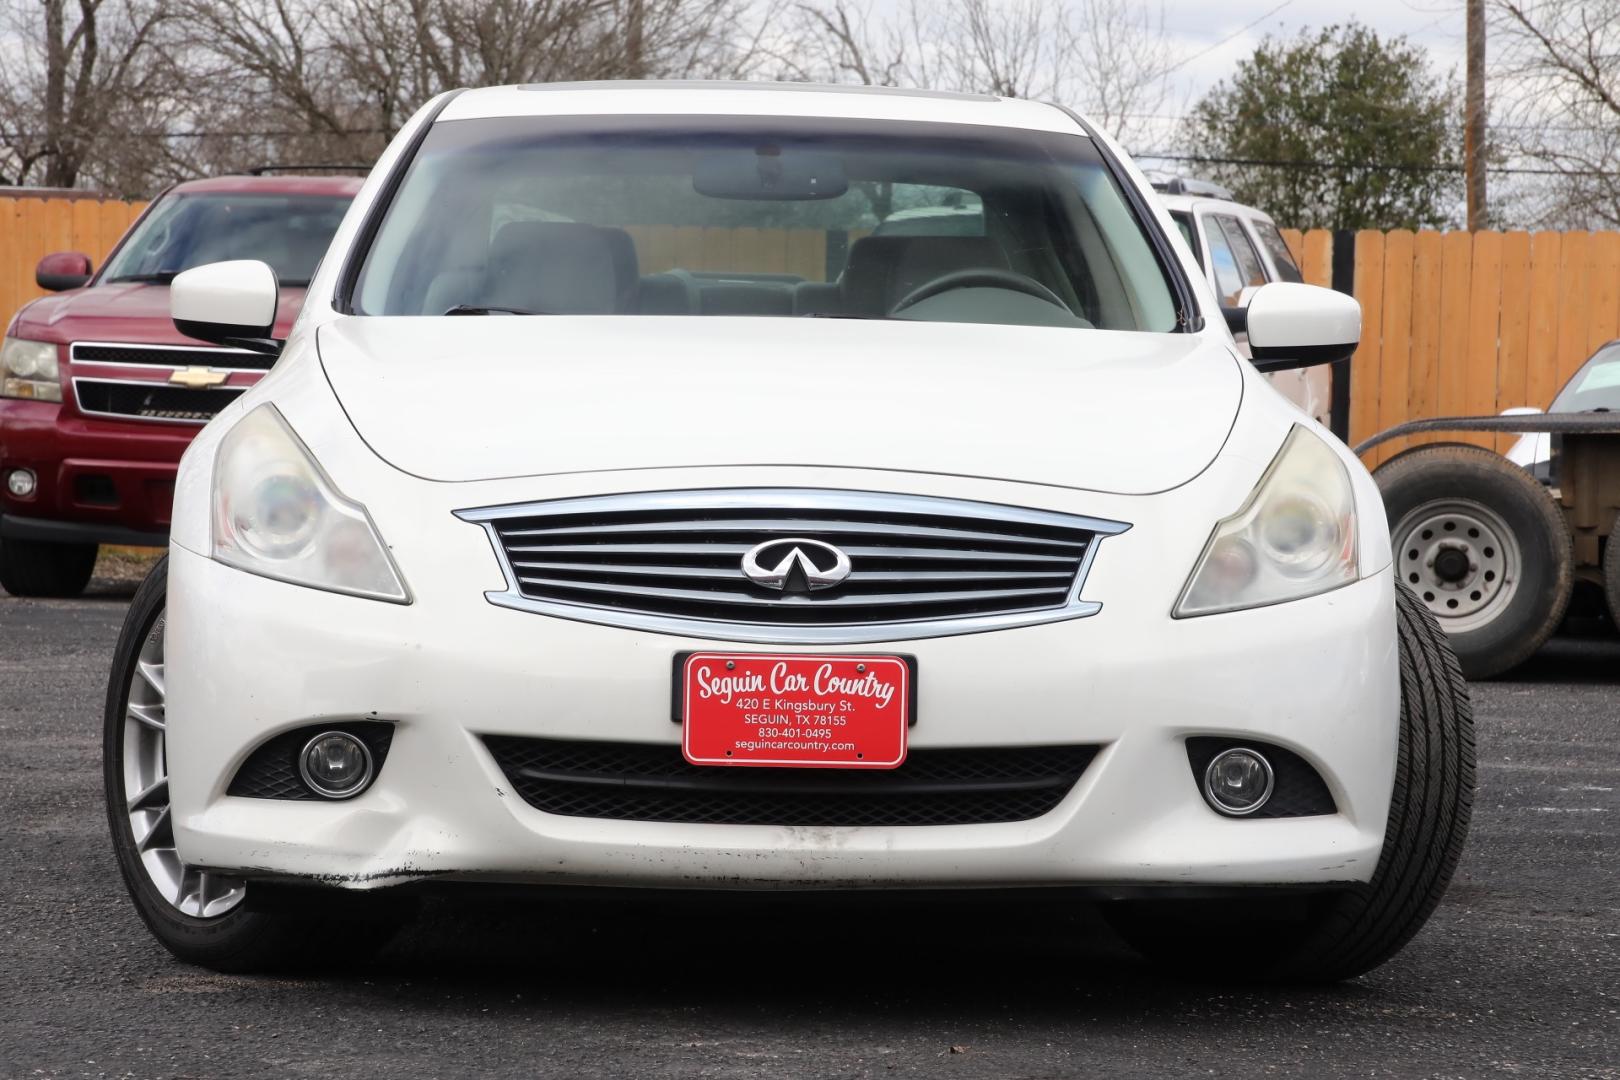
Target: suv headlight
1294, 537
277, 514
28, 370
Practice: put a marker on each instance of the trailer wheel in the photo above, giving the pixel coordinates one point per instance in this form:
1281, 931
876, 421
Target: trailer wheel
1611, 571
1484, 546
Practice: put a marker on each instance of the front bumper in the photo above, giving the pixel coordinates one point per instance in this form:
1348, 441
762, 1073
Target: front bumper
99, 481
249, 658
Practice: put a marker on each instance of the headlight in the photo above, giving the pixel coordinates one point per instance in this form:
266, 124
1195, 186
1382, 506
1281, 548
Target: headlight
277, 514
28, 370
1295, 537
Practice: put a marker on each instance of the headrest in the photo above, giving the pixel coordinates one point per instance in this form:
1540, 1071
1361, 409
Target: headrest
562, 268
881, 270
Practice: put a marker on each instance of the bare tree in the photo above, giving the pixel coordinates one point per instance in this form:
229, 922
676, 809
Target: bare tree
82, 79
1556, 106
1108, 58
333, 80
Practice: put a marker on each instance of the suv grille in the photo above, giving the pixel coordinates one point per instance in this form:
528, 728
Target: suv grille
152, 401
641, 782
177, 356
673, 562
139, 397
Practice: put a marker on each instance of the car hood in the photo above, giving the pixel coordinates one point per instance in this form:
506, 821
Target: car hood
459, 399
125, 312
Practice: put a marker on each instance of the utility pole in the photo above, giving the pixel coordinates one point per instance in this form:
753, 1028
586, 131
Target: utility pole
1474, 117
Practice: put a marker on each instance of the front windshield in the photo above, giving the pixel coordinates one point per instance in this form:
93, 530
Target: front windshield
1596, 387
763, 216
290, 232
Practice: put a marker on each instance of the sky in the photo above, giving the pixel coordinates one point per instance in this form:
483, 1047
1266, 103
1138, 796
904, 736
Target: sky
1213, 37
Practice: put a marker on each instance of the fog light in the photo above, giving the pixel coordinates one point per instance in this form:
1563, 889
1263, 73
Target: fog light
21, 482
335, 764
1238, 781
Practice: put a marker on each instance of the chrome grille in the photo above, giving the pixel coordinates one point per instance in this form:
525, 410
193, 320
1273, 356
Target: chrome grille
672, 562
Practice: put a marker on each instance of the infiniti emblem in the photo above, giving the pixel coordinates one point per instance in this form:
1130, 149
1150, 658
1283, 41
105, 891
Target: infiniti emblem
795, 565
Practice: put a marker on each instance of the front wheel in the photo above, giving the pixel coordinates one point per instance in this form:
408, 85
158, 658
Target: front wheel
202, 917
35, 568
1340, 935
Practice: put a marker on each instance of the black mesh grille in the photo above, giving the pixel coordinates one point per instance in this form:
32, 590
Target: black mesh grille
641, 782
271, 771
153, 401
1298, 790
159, 354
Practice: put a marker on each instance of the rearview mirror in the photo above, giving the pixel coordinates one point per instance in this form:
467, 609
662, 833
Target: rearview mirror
227, 303
1294, 326
62, 270
771, 174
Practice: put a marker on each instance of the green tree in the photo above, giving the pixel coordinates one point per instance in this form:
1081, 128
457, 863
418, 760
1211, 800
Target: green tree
1360, 131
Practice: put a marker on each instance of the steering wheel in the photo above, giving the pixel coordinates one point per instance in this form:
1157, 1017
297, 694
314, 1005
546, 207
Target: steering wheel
979, 277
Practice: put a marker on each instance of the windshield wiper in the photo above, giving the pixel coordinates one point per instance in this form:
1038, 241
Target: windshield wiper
157, 277
474, 309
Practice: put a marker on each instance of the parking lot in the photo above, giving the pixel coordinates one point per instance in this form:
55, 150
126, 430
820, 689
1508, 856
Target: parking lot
1518, 973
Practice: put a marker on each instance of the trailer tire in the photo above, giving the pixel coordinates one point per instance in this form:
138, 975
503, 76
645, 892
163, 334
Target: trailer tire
1484, 546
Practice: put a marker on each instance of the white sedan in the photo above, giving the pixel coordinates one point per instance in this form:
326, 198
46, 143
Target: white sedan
623, 512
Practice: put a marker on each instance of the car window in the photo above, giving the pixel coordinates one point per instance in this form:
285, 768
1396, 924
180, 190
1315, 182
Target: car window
1184, 222
1224, 264
1595, 386
780, 216
1277, 247
1249, 265
290, 232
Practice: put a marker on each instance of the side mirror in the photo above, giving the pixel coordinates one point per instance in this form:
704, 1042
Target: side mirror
227, 303
63, 270
1294, 326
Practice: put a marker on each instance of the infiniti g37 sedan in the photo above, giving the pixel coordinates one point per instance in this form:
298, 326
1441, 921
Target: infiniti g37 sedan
627, 510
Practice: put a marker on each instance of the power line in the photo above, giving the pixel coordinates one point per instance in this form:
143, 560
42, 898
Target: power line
1382, 166
1184, 61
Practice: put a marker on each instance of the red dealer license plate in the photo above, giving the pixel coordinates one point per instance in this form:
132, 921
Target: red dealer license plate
826, 712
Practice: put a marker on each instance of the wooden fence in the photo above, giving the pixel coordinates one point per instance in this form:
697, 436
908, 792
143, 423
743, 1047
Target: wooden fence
1464, 323
1452, 323
32, 227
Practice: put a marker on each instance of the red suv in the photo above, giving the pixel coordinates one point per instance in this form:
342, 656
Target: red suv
100, 394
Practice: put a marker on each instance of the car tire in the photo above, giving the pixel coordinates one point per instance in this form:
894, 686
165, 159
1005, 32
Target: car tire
202, 918
1331, 936
1485, 547
34, 568
1611, 572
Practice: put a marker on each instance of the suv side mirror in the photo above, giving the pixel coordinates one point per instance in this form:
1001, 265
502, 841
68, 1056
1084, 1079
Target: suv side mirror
1294, 326
227, 303
62, 270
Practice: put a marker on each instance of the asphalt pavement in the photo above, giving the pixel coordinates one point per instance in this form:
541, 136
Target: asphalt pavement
1518, 973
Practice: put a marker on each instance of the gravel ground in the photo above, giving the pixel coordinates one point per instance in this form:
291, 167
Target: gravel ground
1518, 974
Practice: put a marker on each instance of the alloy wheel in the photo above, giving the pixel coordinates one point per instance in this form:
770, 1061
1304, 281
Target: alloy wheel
189, 890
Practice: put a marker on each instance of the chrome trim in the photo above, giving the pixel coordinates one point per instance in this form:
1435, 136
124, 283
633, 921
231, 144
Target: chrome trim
78, 402
74, 359
1073, 607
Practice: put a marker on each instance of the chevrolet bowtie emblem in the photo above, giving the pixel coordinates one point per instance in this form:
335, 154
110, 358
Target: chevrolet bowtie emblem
198, 378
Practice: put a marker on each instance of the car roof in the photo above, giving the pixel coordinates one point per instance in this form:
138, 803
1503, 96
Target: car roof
673, 98
272, 185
